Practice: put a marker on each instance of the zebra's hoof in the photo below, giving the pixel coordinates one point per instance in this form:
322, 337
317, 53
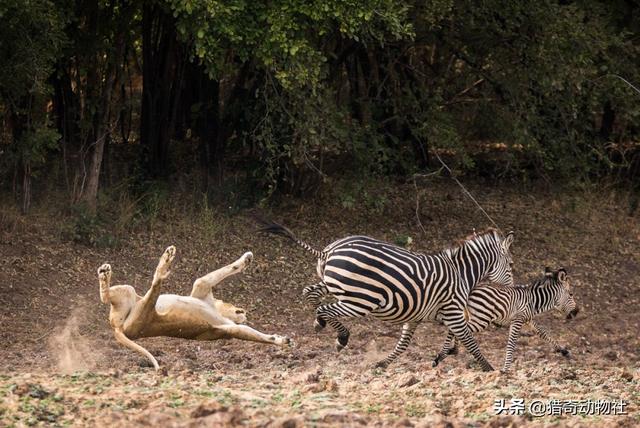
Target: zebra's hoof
319, 324
565, 353
487, 368
435, 363
341, 342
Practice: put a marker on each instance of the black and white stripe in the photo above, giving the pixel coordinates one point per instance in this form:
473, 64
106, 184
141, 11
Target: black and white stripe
516, 306
371, 277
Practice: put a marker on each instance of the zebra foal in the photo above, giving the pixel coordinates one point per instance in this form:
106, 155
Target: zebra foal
371, 277
516, 306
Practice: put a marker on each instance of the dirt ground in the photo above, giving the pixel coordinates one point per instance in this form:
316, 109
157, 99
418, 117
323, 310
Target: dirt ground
60, 365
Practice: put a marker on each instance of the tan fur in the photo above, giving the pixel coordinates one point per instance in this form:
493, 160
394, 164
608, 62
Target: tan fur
198, 316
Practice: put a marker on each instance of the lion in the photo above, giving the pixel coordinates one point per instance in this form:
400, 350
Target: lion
198, 316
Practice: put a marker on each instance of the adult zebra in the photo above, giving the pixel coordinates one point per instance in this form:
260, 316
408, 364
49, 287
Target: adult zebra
368, 276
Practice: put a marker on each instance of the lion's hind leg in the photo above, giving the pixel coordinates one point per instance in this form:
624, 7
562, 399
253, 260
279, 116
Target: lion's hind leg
202, 286
244, 332
145, 309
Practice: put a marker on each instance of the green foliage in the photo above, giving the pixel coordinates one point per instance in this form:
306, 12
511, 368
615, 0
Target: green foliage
301, 92
34, 145
364, 195
538, 64
31, 39
285, 37
456, 76
403, 241
84, 227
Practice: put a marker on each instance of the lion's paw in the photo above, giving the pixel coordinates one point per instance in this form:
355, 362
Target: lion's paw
283, 341
242, 262
169, 254
104, 272
165, 262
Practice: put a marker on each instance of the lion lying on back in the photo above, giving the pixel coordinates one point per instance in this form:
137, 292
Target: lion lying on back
198, 316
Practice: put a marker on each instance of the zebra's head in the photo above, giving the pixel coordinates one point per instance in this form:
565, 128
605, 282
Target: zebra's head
564, 298
500, 272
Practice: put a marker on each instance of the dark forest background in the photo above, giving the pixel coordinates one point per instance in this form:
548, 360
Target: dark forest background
241, 101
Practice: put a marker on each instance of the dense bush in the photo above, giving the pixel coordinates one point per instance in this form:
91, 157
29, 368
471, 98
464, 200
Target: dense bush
294, 92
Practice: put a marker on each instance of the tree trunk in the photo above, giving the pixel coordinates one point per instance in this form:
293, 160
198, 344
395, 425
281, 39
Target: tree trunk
608, 118
26, 187
208, 127
162, 68
102, 116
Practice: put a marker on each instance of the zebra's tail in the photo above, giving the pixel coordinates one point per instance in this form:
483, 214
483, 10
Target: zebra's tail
277, 229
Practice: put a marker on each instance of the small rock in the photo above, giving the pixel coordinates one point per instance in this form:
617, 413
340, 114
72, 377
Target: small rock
144, 363
206, 409
343, 418
627, 375
31, 389
331, 385
158, 419
404, 422
184, 365
569, 375
314, 377
505, 421
287, 422
407, 380
231, 417
313, 388
611, 355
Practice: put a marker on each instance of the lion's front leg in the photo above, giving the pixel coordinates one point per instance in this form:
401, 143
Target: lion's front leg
104, 278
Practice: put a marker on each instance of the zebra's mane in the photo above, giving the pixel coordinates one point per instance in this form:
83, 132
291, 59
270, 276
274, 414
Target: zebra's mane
538, 282
476, 236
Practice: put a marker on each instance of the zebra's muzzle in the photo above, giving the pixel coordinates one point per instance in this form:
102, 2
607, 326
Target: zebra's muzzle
572, 314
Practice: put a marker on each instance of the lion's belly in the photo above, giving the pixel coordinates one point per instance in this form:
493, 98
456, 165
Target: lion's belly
185, 317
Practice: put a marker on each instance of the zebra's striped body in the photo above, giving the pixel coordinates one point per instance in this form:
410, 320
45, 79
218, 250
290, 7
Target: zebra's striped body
514, 307
371, 277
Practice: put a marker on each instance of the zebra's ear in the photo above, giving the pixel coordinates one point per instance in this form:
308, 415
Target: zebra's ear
508, 240
562, 275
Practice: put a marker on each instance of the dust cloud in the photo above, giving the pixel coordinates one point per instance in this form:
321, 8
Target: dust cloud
72, 351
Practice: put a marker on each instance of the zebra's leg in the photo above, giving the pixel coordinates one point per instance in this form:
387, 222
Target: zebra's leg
545, 335
514, 332
328, 314
448, 348
405, 338
457, 324
314, 293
